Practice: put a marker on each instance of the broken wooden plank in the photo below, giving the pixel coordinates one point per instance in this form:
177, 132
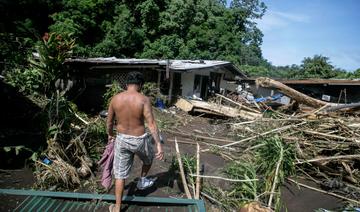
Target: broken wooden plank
241, 106
184, 105
188, 105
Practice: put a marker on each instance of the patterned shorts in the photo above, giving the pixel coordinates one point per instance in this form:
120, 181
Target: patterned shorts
126, 146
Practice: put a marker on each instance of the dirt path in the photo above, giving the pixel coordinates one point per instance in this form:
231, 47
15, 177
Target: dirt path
168, 184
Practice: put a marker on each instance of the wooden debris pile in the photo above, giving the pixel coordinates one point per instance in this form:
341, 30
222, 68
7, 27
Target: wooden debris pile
222, 106
270, 151
74, 142
308, 140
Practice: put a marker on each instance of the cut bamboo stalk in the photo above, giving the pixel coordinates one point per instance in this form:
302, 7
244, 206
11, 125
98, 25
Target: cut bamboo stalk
324, 192
199, 136
238, 104
223, 178
182, 173
81, 119
202, 142
330, 158
265, 120
262, 134
313, 112
331, 136
197, 192
275, 177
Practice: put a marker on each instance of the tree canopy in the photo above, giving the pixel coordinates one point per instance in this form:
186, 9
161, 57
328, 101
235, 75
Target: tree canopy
156, 29
176, 29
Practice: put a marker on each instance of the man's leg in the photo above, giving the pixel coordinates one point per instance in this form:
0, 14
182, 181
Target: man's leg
145, 169
119, 190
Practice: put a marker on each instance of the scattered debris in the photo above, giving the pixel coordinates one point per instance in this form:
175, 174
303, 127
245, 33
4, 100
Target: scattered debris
308, 139
190, 105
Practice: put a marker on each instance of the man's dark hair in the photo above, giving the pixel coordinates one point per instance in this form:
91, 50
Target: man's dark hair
135, 77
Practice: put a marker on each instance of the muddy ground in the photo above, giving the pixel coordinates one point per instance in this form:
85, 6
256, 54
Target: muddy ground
168, 184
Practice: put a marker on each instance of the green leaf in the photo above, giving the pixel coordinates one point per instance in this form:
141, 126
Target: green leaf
34, 156
7, 149
17, 149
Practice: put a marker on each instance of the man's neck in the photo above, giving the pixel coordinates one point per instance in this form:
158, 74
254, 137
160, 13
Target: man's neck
133, 88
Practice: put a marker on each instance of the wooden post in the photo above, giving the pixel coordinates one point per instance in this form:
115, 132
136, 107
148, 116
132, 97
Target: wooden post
182, 173
167, 69
171, 86
159, 80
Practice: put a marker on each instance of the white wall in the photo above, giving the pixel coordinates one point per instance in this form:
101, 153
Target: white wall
187, 81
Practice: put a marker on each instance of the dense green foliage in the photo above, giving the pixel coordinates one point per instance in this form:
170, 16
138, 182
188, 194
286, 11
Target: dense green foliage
45, 69
186, 29
314, 67
175, 29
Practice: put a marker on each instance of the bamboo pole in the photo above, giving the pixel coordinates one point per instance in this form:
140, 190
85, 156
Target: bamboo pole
331, 136
197, 192
199, 136
313, 112
265, 133
223, 178
324, 192
182, 174
238, 104
276, 177
330, 158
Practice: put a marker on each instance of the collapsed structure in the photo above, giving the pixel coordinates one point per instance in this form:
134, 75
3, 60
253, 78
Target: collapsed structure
268, 138
193, 78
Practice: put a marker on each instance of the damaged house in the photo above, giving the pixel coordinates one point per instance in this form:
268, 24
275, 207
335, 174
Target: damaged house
194, 78
328, 90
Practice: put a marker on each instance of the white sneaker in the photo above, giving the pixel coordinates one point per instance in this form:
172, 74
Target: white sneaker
145, 183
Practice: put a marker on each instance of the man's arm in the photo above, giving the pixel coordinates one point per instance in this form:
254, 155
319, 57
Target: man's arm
149, 117
110, 121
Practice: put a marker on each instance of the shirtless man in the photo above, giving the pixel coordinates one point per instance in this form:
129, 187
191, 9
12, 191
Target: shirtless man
130, 108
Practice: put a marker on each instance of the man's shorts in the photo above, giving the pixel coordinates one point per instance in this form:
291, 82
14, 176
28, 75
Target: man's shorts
126, 146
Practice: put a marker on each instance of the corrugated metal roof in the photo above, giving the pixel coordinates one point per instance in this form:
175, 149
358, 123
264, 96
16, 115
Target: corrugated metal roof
174, 64
111, 60
195, 64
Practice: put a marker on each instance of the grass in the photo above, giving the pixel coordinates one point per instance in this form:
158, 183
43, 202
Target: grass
271, 163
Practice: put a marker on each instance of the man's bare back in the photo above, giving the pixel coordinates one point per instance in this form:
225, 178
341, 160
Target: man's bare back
128, 107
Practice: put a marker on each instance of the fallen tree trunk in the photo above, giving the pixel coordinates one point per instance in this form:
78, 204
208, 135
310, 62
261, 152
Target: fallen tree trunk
351, 106
296, 95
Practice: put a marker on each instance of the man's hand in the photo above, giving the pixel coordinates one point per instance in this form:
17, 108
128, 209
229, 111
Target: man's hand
160, 153
111, 138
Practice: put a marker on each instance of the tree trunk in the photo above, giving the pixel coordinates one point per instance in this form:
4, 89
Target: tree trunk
296, 95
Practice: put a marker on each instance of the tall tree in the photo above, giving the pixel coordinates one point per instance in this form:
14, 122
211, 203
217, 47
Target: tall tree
187, 29
317, 67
